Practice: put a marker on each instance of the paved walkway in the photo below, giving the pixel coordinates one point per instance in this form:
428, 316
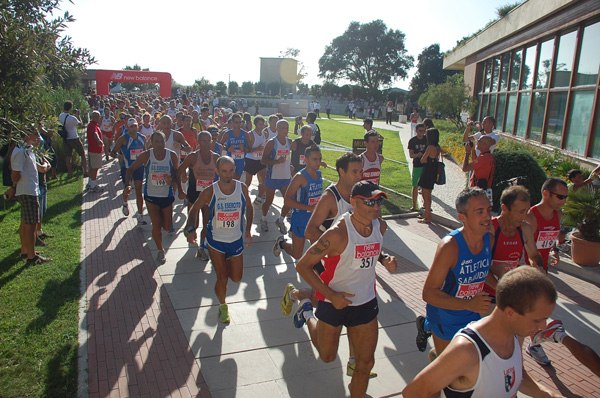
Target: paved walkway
153, 330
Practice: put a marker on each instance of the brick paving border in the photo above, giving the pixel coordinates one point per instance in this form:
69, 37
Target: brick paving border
135, 344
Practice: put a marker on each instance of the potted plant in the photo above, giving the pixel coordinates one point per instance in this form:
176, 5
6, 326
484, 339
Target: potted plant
582, 211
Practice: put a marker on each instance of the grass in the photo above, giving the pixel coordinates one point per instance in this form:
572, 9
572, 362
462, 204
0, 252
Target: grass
39, 304
393, 175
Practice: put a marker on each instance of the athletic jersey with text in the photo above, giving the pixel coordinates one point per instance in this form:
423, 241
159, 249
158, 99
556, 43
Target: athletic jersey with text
280, 171
146, 131
308, 195
131, 150
505, 251
463, 281
202, 174
226, 220
298, 159
546, 233
157, 172
371, 170
239, 148
106, 125
259, 140
498, 377
353, 271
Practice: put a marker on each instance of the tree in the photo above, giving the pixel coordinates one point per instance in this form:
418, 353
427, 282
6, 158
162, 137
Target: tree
221, 88
450, 98
35, 60
202, 85
247, 88
369, 54
430, 70
233, 87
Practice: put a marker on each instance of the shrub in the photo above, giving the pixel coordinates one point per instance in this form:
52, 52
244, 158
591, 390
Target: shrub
514, 163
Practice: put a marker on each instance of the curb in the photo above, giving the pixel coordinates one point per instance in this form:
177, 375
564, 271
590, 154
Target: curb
83, 388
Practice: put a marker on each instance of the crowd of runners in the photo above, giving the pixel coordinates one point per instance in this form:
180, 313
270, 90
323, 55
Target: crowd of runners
209, 156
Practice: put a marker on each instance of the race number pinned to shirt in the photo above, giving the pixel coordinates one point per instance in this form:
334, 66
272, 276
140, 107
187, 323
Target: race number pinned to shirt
546, 239
237, 153
282, 153
313, 201
227, 219
133, 153
367, 255
302, 160
469, 290
159, 180
202, 184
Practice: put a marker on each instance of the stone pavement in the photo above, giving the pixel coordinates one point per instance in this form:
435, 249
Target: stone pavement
153, 330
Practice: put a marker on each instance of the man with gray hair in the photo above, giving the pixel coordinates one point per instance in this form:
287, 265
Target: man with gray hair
95, 151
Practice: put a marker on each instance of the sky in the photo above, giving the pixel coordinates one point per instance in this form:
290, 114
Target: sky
225, 40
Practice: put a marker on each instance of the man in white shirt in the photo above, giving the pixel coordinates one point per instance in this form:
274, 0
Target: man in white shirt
25, 181
71, 122
486, 128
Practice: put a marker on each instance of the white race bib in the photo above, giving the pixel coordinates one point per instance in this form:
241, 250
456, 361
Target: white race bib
159, 180
133, 153
227, 219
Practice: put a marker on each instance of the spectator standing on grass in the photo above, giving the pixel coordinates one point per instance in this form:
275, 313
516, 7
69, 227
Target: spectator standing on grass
328, 109
414, 119
95, 151
416, 150
389, 110
429, 173
24, 175
70, 123
43, 168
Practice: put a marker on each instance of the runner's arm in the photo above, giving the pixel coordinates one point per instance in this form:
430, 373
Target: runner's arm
289, 199
534, 389
460, 360
175, 174
187, 162
117, 147
322, 212
249, 215
388, 261
139, 161
323, 247
194, 213
444, 260
266, 159
535, 258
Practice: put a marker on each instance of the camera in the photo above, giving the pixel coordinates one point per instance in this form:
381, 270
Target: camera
469, 143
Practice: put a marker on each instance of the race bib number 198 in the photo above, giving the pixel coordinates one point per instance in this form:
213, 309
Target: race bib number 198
227, 219
159, 180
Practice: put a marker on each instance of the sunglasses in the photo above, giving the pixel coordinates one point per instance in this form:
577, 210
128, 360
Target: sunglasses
373, 202
560, 197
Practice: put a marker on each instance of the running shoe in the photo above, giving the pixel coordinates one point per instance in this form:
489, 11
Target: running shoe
289, 216
224, 314
202, 254
304, 305
422, 335
172, 230
537, 353
140, 220
258, 201
351, 367
555, 332
286, 302
160, 257
125, 210
281, 225
264, 226
277, 246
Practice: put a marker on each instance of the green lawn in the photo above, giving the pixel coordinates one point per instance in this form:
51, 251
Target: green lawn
39, 304
393, 175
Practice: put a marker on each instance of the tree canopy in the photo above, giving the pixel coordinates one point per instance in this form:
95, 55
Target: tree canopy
35, 59
430, 70
369, 54
450, 98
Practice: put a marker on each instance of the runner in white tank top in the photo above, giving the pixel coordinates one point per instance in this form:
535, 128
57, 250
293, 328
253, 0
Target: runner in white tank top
371, 168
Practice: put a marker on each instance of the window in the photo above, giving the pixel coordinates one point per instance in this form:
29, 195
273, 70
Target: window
556, 117
564, 60
537, 116
510, 113
544, 65
589, 58
579, 121
504, 72
492, 108
500, 111
495, 73
484, 105
527, 74
523, 113
487, 77
596, 142
516, 70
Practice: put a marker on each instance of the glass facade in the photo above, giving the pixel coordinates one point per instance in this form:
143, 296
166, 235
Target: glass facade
545, 90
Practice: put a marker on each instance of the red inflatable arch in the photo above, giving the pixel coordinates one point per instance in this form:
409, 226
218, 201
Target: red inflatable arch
103, 77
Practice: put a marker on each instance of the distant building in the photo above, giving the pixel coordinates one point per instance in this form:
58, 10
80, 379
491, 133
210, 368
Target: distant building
536, 71
279, 70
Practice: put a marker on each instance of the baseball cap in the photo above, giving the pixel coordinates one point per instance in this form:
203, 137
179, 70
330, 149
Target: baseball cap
131, 121
366, 190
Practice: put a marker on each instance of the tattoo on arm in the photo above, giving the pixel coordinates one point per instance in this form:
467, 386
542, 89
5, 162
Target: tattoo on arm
320, 247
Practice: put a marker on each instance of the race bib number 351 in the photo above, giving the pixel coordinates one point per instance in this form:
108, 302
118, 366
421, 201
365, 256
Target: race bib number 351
366, 255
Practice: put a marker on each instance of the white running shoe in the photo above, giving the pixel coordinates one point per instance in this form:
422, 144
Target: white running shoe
281, 225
